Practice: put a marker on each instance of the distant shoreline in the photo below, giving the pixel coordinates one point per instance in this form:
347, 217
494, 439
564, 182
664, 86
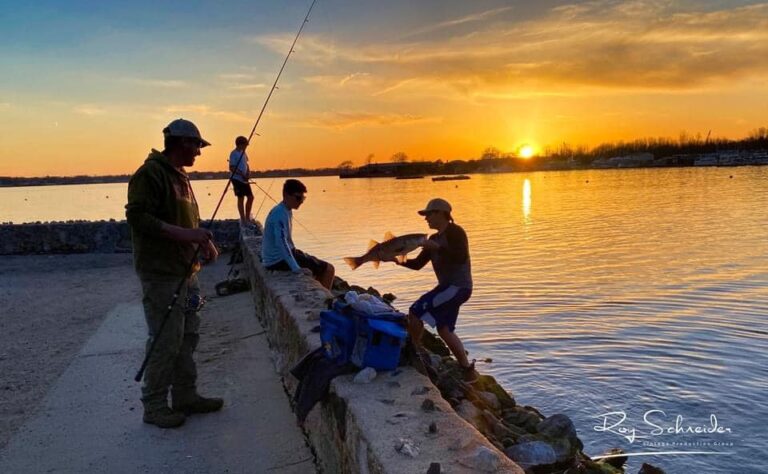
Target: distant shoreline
10, 182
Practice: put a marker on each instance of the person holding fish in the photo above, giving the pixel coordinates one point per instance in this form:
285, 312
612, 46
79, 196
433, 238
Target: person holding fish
448, 250
277, 249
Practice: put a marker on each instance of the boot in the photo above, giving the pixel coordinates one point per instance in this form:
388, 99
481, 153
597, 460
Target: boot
164, 417
197, 404
470, 375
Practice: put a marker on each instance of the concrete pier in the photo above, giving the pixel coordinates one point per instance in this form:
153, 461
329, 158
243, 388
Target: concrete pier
89, 419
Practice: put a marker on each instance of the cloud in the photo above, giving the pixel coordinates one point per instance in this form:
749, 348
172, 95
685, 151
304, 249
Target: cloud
345, 120
474, 17
241, 82
337, 81
159, 83
89, 110
5, 105
247, 87
597, 47
207, 111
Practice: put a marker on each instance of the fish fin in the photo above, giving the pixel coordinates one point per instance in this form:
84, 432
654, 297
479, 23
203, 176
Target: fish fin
372, 244
376, 264
388, 236
352, 262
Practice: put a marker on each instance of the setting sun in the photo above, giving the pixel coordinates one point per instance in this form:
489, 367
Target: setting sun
526, 151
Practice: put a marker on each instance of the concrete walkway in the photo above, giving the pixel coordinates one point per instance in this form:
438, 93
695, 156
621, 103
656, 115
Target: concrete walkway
90, 420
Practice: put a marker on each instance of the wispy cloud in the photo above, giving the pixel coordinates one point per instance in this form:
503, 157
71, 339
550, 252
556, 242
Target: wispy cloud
341, 81
89, 110
474, 17
5, 105
242, 84
159, 83
345, 120
594, 47
248, 87
207, 111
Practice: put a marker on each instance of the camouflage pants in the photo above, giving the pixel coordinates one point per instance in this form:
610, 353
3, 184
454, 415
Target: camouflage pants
171, 363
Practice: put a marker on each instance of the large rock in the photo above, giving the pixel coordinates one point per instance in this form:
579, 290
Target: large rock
560, 427
472, 414
532, 454
649, 469
491, 400
522, 417
486, 383
482, 459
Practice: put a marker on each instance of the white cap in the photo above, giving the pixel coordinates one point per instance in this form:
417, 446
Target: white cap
186, 129
436, 204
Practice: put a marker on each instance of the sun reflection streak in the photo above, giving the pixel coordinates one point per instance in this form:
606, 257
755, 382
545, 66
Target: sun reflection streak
527, 200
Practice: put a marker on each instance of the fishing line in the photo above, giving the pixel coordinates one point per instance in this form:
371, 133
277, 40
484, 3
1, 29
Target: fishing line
194, 259
266, 194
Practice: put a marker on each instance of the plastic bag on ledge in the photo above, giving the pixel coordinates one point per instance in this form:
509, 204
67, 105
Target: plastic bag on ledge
366, 303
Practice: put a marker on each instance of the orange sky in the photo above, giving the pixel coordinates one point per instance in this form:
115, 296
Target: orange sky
441, 83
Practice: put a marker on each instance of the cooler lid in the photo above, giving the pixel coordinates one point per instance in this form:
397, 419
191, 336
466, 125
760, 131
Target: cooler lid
387, 327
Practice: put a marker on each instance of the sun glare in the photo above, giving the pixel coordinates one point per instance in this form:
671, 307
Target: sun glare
526, 151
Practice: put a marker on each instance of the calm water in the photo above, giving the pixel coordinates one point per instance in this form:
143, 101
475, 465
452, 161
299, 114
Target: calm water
596, 292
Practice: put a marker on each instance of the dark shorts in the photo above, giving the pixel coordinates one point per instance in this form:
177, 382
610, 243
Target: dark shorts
304, 260
440, 306
241, 189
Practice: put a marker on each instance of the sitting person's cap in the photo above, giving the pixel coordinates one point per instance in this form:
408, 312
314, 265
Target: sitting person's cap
436, 204
186, 129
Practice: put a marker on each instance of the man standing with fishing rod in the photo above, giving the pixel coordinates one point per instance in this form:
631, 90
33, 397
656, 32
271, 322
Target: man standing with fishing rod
162, 182
164, 219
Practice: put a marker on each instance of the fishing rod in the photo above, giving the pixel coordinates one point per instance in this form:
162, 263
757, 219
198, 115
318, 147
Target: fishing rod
191, 264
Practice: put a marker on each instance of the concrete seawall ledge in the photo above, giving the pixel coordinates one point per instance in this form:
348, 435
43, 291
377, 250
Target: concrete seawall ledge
385, 426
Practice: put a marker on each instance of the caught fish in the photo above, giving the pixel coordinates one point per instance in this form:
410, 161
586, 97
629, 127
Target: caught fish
392, 248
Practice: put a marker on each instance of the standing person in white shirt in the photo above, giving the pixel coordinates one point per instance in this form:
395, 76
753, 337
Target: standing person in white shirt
240, 173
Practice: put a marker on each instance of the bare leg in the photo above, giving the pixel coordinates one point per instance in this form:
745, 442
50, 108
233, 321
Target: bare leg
454, 344
326, 279
248, 207
241, 209
415, 329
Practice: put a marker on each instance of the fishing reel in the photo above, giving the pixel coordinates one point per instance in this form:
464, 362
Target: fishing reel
195, 302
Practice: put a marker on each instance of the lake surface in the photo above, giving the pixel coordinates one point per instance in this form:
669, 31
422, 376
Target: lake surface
597, 292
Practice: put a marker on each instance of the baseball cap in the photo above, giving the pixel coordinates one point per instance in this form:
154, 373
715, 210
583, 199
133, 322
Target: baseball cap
186, 129
436, 204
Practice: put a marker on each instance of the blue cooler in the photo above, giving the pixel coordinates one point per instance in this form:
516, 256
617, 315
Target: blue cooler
378, 343
337, 334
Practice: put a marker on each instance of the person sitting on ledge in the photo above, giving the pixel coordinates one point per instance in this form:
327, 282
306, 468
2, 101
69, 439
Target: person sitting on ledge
448, 250
277, 249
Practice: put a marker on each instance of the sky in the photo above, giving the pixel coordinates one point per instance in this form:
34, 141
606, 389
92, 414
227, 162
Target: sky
87, 86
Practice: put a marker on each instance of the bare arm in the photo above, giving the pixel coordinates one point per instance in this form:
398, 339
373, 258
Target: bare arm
418, 262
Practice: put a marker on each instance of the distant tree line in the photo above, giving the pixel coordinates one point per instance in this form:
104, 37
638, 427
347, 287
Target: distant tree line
491, 159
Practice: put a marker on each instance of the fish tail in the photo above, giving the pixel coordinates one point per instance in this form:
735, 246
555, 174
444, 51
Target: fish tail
353, 262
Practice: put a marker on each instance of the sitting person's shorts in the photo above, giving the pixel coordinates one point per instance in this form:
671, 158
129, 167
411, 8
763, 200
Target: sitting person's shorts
304, 260
241, 189
440, 306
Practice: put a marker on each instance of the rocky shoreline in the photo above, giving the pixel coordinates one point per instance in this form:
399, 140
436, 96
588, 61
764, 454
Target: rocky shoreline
73, 237
539, 444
